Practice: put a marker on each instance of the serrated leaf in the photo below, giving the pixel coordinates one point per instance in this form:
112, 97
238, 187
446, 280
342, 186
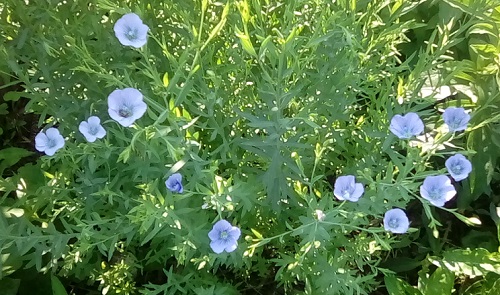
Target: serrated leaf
124, 155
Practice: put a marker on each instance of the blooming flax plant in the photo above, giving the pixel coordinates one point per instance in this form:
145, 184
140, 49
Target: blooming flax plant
346, 188
130, 30
92, 129
224, 237
174, 183
437, 190
126, 105
456, 119
396, 221
49, 142
406, 126
458, 166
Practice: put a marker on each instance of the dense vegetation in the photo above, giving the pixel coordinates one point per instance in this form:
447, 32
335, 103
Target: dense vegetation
250, 147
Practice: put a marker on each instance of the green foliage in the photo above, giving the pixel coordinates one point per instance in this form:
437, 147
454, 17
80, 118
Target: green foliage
260, 105
454, 263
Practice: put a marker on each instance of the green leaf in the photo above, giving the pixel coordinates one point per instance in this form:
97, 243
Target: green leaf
57, 286
3, 109
165, 79
494, 289
481, 29
10, 156
12, 96
245, 42
124, 155
396, 286
257, 234
440, 282
219, 26
468, 262
9, 286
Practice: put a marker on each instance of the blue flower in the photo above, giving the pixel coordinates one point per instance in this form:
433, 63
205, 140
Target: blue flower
125, 106
224, 236
437, 190
456, 119
92, 129
49, 142
174, 183
130, 30
458, 166
406, 126
346, 188
396, 221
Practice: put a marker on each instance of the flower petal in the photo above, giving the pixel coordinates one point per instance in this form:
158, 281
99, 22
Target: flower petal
231, 247
115, 100
235, 233
126, 122
358, 192
396, 126
52, 133
41, 141
222, 225
94, 120
132, 95
101, 132
51, 151
139, 109
218, 246
214, 234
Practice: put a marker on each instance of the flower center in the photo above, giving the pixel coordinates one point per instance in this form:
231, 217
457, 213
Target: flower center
51, 143
407, 131
131, 34
93, 130
223, 235
457, 169
125, 112
435, 194
393, 223
346, 193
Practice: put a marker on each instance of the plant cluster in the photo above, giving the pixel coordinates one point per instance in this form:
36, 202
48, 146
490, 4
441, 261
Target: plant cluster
252, 147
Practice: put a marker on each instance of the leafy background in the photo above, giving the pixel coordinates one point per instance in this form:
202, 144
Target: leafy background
260, 105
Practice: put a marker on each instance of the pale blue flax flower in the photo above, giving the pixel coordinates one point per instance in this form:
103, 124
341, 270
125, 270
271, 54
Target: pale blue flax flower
458, 166
396, 221
92, 129
174, 183
346, 188
130, 30
126, 105
49, 142
406, 126
224, 236
456, 119
437, 190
